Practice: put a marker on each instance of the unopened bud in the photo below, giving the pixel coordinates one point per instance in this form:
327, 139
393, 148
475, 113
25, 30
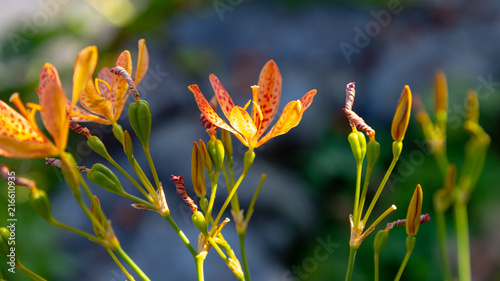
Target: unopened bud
379, 242
205, 157
414, 211
97, 146
358, 146
216, 151
472, 110
402, 115
197, 172
40, 202
226, 140
140, 120
4, 238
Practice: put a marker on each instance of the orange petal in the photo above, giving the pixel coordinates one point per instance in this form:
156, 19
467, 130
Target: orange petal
242, 122
53, 100
307, 99
142, 62
79, 114
105, 75
269, 95
85, 65
225, 101
290, 117
119, 85
95, 103
208, 111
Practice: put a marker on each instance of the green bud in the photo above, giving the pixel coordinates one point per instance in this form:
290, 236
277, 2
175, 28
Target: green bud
118, 132
97, 146
4, 237
215, 149
104, 177
248, 161
410, 243
140, 120
70, 171
372, 152
128, 147
204, 204
358, 146
397, 147
41, 204
200, 223
379, 242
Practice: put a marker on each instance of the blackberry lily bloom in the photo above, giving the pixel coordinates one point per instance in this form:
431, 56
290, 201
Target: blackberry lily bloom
250, 128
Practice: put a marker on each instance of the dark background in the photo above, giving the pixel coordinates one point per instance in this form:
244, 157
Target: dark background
309, 192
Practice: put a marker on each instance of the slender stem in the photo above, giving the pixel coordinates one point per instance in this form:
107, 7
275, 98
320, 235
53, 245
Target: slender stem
464, 272
350, 265
254, 199
74, 230
94, 220
127, 175
380, 188
214, 178
365, 190
376, 259
140, 173
131, 263
151, 165
199, 259
356, 213
228, 199
138, 200
120, 265
218, 249
235, 204
179, 232
94, 202
246, 270
409, 250
442, 241
28, 272
381, 217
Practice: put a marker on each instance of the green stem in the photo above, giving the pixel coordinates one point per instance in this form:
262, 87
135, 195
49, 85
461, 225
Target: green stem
228, 199
179, 232
86, 210
214, 178
28, 272
365, 190
350, 265
235, 204
127, 175
131, 263
380, 188
138, 200
376, 259
442, 241
199, 259
464, 272
356, 213
246, 270
94, 202
254, 199
140, 173
151, 165
74, 230
120, 265
410, 244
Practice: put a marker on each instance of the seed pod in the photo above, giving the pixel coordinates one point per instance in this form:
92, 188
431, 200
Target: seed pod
372, 152
104, 177
140, 120
199, 222
40, 202
216, 151
118, 132
97, 146
379, 242
358, 146
4, 237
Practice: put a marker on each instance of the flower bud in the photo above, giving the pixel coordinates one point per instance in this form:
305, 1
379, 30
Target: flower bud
118, 132
205, 157
104, 177
199, 222
216, 151
472, 109
40, 202
97, 146
372, 152
358, 146
248, 161
441, 90
4, 238
197, 172
140, 120
70, 171
414, 211
226, 140
128, 147
397, 147
204, 204
379, 242
402, 115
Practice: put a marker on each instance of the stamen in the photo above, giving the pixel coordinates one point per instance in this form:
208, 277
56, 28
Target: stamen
16, 100
246, 105
121, 71
255, 92
97, 80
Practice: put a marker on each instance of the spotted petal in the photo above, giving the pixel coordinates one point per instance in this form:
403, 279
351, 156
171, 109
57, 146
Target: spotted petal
79, 114
290, 117
208, 111
242, 122
269, 95
53, 100
18, 139
142, 62
105, 75
307, 99
119, 85
85, 65
225, 101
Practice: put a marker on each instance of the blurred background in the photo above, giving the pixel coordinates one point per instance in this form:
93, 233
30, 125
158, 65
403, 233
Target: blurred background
308, 195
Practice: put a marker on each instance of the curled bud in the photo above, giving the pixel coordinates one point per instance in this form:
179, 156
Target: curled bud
216, 151
414, 211
140, 120
350, 93
197, 172
104, 177
97, 146
128, 147
40, 202
181, 190
79, 129
402, 115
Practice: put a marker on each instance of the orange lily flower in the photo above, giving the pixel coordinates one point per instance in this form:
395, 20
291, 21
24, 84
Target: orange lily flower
20, 136
249, 129
105, 98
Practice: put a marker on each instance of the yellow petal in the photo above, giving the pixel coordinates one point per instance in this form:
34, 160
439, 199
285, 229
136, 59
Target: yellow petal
224, 99
85, 65
142, 62
208, 111
242, 122
79, 114
290, 117
269, 95
53, 100
119, 85
94, 102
